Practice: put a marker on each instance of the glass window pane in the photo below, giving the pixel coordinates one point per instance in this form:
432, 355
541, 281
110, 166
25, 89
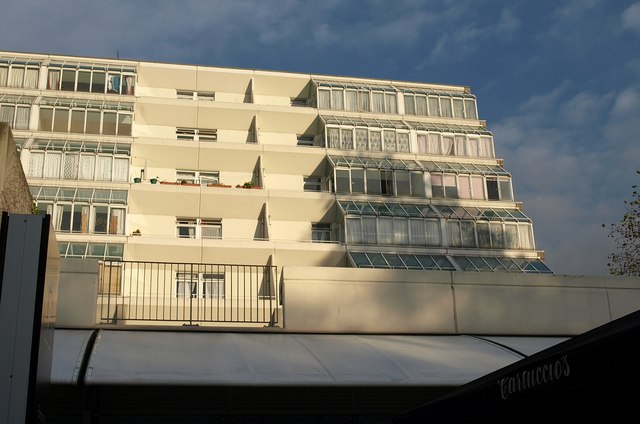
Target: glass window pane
61, 120
100, 219
36, 164
98, 83
484, 238
324, 99
84, 81
409, 104
417, 184
362, 139
71, 166
421, 105
124, 124
360, 260
505, 190
391, 103
351, 100
403, 187
77, 121
401, 231
68, 80
434, 106
445, 107
337, 100
470, 109
492, 189
417, 232
16, 77
458, 108
390, 141
375, 141
357, 180
497, 236
378, 102
373, 181
93, 122
109, 123
386, 180
77, 249
343, 182
511, 236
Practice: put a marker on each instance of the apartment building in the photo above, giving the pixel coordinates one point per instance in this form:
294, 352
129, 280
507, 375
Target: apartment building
157, 162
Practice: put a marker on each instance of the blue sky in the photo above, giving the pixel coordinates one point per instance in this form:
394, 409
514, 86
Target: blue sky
558, 82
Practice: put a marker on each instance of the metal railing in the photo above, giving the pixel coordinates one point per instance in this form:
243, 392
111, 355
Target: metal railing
191, 294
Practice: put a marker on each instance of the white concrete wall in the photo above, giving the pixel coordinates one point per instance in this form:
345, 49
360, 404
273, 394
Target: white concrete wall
396, 301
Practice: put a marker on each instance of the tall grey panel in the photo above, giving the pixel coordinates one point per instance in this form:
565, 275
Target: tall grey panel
28, 298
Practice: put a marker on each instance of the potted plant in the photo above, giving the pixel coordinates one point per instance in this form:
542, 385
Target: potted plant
248, 184
154, 180
137, 180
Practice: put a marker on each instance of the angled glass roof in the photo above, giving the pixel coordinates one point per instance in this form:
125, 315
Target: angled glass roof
364, 122
464, 168
353, 85
86, 103
492, 214
433, 91
448, 128
369, 162
73, 194
16, 99
387, 209
501, 264
401, 261
444, 263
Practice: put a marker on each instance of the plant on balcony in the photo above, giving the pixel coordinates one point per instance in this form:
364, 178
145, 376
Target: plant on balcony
218, 185
248, 184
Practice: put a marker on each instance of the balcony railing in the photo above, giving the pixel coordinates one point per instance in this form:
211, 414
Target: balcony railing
192, 294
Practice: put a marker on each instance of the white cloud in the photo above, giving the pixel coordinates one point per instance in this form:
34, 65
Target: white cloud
573, 157
631, 18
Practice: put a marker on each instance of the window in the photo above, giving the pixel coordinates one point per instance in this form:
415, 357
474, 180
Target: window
298, 102
58, 161
85, 121
198, 177
17, 116
199, 285
211, 229
357, 97
88, 219
374, 181
367, 135
19, 75
499, 189
109, 251
312, 183
196, 95
306, 140
85, 79
449, 105
444, 185
198, 228
196, 134
83, 210
320, 233
109, 278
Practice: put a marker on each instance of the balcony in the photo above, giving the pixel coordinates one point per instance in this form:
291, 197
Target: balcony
188, 294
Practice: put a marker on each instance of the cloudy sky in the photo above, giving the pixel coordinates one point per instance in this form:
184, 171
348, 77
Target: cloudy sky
558, 81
